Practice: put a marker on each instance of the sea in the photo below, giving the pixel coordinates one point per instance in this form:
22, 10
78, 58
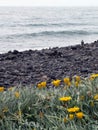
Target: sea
24, 28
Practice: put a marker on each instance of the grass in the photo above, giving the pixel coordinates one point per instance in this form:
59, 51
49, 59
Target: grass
46, 108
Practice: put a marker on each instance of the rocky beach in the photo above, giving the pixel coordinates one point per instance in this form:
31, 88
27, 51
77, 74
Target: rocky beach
32, 66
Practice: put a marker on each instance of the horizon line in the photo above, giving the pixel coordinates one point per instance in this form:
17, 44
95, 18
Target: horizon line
47, 6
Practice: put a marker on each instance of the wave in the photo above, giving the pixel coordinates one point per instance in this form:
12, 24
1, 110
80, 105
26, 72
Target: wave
54, 24
33, 25
44, 24
51, 33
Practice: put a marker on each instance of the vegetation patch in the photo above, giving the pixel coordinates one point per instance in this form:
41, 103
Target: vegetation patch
68, 104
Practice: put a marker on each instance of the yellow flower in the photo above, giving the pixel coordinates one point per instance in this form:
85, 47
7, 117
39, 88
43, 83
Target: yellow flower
39, 85
81, 97
93, 76
96, 97
77, 78
1, 89
92, 104
76, 83
67, 81
69, 84
17, 94
10, 88
79, 115
42, 85
73, 109
65, 98
19, 113
65, 120
71, 116
56, 82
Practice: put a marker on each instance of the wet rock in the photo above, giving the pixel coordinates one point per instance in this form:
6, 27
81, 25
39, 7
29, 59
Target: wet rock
15, 52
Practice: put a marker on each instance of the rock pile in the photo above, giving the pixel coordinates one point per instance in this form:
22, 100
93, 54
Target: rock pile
32, 66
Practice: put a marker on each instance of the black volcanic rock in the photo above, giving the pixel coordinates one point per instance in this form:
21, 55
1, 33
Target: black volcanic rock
28, 67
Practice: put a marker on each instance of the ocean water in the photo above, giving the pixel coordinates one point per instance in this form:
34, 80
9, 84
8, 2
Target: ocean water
23, 28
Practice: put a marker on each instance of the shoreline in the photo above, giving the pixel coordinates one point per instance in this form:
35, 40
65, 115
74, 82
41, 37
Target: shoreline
32, 66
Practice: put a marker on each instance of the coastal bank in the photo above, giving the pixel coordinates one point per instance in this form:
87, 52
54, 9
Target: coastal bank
32, 66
